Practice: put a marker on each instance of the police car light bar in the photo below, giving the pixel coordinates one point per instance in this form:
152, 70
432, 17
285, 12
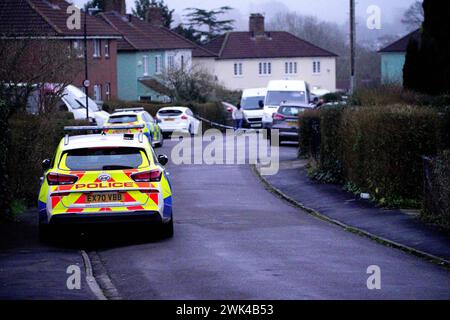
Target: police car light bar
98, 128
137, 109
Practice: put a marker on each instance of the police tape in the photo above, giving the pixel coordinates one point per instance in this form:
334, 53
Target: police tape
222, 126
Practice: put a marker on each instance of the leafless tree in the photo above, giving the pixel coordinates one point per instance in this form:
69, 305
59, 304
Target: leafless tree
32, 65
414, 16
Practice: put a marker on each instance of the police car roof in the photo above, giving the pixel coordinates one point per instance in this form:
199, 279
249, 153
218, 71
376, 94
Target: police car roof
102, 141
126, 113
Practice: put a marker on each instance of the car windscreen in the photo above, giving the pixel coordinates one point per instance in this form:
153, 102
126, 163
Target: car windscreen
251, 103
170, 113
122, 119
291, 111
275, 98
97, 159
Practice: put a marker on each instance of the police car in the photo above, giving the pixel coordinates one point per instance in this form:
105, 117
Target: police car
102, 178
136, 116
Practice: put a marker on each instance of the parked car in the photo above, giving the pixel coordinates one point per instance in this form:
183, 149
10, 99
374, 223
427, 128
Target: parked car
73, 100
252, 104
180, 119
137, 116
281, 91
286, 120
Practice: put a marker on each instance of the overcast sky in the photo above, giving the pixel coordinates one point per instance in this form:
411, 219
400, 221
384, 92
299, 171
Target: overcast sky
330, 10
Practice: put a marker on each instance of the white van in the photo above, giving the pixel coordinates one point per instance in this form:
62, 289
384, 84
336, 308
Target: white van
283, 91
251, 102
73, 100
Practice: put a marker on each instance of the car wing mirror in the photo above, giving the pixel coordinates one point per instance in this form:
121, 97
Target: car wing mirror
163, 159
46, 164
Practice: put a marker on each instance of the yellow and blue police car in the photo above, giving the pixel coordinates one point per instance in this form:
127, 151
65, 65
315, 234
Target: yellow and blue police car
137, 116
101, 178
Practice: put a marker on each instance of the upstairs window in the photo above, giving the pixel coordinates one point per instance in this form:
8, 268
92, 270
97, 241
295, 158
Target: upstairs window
157, 64
107, 48
78, 48
145, 63
316, 67
238, 69
265, 68
290, 68
97, 49
171, 62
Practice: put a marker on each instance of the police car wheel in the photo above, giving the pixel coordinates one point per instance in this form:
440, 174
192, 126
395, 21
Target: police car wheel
167, 230
45, 233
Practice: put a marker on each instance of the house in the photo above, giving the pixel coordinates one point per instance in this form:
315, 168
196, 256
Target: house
146, 53
393, 58
46, 20
251, 59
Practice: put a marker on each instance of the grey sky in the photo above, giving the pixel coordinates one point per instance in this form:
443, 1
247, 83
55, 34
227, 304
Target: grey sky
330, 10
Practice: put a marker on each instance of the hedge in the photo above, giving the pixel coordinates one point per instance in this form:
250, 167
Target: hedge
376, 149
436, 204
33, 139
4, 143
309, 134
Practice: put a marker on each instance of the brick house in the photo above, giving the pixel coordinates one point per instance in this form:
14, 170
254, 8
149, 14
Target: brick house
47, 20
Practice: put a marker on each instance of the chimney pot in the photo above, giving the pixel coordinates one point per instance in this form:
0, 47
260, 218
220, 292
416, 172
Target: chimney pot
256, 25
154, 16
116, 5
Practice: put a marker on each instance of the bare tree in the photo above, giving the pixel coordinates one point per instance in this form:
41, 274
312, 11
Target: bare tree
30, 65
414, 16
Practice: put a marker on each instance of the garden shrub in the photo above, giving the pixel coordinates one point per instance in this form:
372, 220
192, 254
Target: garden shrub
436, 204
309, 134
33, 139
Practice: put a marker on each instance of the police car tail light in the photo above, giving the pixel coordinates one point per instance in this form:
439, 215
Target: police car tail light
60, 179
148, 176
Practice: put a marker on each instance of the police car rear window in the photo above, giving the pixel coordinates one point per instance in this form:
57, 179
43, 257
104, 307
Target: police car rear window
103, 159
123, 119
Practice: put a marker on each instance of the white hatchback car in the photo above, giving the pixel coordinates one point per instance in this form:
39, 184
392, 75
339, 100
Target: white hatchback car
180, 119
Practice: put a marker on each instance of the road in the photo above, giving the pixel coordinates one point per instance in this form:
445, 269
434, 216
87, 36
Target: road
235, 240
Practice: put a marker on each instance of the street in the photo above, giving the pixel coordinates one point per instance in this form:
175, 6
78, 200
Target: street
233, 240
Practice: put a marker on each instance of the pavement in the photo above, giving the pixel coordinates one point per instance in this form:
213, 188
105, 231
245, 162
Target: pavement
233, 240
330, 200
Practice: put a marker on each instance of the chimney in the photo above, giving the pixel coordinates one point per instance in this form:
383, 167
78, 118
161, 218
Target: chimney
116, 5
154, 16
256, 25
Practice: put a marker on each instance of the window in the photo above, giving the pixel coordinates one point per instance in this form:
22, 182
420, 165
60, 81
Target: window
98, 92
108, 91
238, 69
182, 62
97, 50
97, 159
171, 62
316, 67
145, 63
157, 64
107, 43
78, 48
265, 68
122, 119
290, 68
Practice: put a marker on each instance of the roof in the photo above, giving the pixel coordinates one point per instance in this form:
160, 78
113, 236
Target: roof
174, 108
27, 18
155, 85
401, 45
139, 35
96, 140
277, 44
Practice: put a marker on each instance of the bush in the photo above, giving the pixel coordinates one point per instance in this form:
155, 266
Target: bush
436, 204
309, 134
33, 139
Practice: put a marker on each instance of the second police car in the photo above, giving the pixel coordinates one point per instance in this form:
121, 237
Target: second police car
103, 178
137, 116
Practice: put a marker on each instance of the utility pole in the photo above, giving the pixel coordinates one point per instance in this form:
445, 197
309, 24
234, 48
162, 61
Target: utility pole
352, 46
86, 75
